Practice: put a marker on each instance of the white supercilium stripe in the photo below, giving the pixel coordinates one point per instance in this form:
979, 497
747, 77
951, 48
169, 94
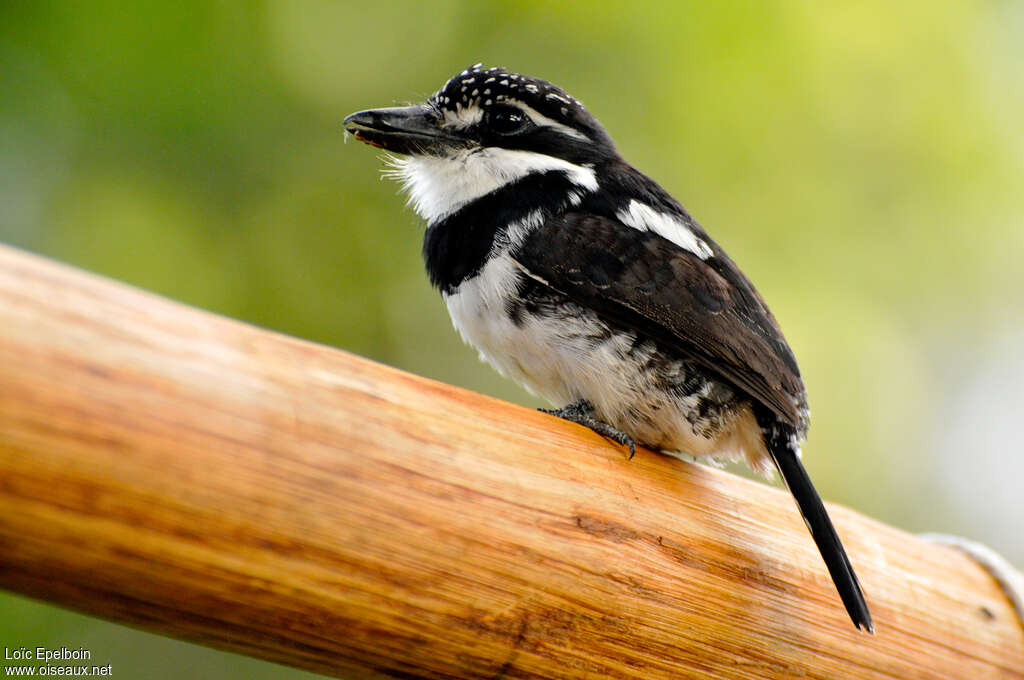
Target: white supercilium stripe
645, 218
541, 119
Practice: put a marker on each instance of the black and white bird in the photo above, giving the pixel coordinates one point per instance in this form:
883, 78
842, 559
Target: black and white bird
582, 279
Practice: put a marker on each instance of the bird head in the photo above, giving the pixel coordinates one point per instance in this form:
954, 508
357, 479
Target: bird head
485, 128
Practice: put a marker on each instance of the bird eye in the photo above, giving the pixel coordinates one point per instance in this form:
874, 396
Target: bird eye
506, 120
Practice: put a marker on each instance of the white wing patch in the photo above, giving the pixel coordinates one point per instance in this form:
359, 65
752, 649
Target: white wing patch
517, 231
645, 218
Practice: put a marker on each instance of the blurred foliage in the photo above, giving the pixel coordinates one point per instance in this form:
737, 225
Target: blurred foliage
861, 161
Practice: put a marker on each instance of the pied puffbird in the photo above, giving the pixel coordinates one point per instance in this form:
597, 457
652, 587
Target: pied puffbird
579, 277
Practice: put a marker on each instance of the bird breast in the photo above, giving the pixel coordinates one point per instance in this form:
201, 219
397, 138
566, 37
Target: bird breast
563, 352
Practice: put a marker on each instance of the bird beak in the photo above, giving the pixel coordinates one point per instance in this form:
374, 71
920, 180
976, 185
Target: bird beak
412, 130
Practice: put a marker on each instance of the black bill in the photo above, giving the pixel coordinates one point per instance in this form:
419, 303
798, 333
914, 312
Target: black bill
404, 130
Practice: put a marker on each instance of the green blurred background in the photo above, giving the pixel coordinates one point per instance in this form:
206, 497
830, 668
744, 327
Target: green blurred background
861, 161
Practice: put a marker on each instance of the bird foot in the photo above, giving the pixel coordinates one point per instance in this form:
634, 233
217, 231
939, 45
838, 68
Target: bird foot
582, 413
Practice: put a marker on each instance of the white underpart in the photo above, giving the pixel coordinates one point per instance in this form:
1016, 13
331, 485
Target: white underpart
541, 355
439, 186
645, 218
563, 359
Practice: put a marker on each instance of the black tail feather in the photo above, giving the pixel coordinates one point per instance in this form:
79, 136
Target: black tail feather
781, 442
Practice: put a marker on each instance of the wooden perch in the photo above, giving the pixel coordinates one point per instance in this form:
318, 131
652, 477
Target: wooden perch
197, 477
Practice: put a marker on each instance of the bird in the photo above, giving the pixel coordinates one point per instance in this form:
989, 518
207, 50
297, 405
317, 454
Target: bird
581, 278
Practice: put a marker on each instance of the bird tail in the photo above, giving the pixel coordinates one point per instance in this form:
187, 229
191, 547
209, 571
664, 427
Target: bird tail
784, 446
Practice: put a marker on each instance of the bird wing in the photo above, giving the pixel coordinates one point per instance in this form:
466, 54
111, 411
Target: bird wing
706, 310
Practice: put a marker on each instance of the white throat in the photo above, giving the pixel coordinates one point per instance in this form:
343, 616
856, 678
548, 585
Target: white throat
438, 186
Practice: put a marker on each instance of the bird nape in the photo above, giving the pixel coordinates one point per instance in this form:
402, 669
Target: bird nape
582, 279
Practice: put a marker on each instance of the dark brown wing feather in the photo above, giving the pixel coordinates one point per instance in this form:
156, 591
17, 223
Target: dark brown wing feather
705, 310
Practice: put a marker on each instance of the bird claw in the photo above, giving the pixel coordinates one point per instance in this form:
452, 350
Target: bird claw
582, 413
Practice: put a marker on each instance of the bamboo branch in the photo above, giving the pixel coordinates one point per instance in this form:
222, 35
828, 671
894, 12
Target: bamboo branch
198, 477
